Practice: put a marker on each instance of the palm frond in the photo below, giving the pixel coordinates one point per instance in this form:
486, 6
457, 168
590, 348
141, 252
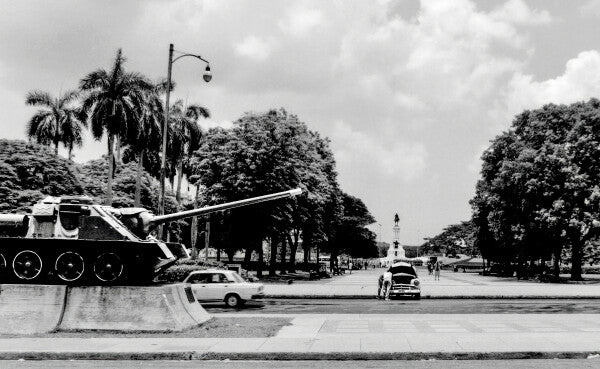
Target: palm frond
39, 98
68, 97
196, 112
117, 69
97, 79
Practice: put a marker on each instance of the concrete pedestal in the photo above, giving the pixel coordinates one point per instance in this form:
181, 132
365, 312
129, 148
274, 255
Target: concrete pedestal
30, 309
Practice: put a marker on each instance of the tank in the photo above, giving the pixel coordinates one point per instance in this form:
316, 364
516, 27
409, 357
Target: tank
71, 240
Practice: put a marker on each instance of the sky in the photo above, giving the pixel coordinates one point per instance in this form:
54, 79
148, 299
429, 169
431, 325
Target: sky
409, 92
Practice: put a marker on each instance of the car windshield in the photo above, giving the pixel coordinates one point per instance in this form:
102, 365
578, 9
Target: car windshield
403, 269
236, 277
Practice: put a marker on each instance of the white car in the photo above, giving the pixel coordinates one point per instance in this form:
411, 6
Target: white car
223, 285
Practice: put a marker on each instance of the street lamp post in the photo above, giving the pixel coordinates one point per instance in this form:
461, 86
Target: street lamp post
207, 76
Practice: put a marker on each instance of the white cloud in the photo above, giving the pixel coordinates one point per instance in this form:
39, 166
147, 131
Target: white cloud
580, 81
590, 8
301, 21
253, 48
404, 161
408, 101
517, 11
207, 124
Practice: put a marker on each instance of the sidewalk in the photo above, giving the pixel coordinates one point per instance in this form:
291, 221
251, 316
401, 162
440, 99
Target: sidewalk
318, 336
363, 284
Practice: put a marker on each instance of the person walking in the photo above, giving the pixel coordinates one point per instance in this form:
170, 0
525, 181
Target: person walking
430, 268
387, 284
350, 266
436, 270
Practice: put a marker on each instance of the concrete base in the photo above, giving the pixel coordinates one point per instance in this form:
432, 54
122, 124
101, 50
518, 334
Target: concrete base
31, 309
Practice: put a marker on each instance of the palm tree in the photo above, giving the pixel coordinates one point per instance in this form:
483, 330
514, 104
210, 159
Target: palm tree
56, 122
111, 106
185, 135
151, 117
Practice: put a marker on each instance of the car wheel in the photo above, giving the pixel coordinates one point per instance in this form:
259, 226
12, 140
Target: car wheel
417, 296
232, 300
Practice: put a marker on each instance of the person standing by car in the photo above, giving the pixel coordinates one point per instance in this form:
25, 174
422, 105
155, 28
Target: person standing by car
380, 286
436, 270
387, 284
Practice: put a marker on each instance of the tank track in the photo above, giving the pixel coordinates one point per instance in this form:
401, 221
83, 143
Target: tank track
75, 262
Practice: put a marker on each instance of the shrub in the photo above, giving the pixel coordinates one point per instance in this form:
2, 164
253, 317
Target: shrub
177, 272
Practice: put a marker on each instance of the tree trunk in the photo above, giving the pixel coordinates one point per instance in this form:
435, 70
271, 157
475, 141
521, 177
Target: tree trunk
179, 178
56, 148
576, 260
293, 249
110, 171
283, 252
332, 260
261, 263
118, 149
138, 179
71, 153
248, 255
306, 255
273, 261
194, 228
556, 273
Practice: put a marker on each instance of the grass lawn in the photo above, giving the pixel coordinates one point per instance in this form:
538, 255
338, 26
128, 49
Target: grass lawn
255, 327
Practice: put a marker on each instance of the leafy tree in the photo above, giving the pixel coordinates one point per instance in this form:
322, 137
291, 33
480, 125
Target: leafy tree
538, 191
30, 172
454, 239
184, 136
149, 130
111, 106
56, 122
350, 234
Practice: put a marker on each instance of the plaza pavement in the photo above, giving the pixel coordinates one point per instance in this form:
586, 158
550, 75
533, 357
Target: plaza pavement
366, 336
337, 336
363, 284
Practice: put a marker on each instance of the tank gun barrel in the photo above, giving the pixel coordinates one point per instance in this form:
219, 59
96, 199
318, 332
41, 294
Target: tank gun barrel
160, 219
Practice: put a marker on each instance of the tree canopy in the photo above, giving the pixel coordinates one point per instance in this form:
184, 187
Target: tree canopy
539, 188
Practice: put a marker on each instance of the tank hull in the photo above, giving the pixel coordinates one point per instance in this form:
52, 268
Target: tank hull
80, 262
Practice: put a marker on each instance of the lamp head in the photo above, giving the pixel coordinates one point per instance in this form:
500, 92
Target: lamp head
207, 76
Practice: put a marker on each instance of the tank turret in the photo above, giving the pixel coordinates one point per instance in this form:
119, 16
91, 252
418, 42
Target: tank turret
71, 240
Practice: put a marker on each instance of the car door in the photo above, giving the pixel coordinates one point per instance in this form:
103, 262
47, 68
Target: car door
199, 283
217, 286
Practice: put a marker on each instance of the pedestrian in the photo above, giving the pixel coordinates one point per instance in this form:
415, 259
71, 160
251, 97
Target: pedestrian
387, 284
380, 286
350, 266
436, 269
430, 268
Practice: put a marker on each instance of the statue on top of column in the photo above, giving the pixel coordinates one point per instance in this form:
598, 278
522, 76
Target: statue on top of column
396, 219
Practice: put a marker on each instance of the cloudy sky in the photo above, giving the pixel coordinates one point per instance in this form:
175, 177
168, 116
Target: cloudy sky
410, 92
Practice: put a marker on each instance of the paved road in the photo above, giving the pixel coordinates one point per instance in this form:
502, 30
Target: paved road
443, 306
455, 364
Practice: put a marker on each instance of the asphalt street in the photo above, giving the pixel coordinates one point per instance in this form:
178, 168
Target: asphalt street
426, 306
429, 364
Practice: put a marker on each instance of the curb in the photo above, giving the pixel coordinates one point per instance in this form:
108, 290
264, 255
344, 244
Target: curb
441, 297
288, 356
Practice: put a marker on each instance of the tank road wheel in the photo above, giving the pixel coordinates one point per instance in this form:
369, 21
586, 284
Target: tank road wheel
2, 265
69, 266
27, 265
108, 267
